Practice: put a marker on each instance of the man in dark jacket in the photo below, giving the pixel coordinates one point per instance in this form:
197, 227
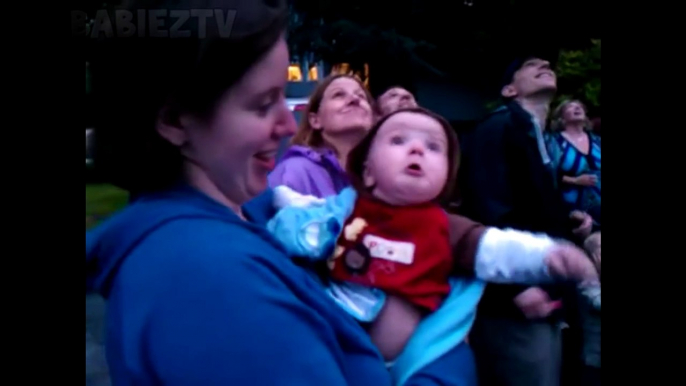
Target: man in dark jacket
507, 181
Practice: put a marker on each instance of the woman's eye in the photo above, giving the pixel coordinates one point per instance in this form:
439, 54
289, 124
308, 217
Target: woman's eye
267, 105
264, 109
397, 140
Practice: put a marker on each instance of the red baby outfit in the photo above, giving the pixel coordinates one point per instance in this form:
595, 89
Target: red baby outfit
402, 250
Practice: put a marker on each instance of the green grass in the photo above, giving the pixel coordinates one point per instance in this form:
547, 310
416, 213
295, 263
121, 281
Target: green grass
101, 201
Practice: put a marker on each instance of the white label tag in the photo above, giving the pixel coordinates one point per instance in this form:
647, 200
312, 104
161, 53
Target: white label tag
397, 251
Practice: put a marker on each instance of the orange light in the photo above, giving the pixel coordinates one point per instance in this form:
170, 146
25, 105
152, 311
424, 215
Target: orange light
313, 73
294, 73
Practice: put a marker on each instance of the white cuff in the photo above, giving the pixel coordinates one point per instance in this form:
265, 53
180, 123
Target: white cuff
285, 196
592, 293
510, 256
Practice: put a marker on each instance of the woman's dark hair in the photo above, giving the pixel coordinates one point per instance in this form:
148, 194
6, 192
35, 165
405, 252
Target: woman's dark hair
134, 78
357, 158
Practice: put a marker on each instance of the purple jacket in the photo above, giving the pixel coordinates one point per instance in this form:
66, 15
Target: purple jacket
309, 171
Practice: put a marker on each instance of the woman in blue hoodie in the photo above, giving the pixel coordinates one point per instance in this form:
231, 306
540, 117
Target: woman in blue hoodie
198, 291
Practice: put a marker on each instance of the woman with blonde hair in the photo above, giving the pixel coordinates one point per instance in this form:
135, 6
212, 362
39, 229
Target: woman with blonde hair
575, 150
339, 114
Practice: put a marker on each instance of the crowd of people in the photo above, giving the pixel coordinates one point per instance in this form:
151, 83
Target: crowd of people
381, 249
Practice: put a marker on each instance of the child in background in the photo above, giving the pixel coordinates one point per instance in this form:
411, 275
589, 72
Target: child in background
392, 261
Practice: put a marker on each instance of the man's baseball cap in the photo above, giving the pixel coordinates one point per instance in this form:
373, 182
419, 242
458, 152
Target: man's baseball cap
517, 63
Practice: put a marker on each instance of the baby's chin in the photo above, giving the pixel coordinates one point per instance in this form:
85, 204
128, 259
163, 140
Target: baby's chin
405, 198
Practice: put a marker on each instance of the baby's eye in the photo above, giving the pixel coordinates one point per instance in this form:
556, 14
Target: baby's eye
434, 146
397, 140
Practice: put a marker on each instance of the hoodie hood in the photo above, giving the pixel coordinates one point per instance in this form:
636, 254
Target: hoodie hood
318, 156
108, 245
322, 169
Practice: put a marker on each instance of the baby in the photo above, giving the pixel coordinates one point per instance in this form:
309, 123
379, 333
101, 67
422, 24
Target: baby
387, 239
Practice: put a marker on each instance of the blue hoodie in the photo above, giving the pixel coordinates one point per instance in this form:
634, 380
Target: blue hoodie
198, 297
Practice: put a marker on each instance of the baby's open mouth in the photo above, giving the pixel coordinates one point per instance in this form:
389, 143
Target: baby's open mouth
414, 169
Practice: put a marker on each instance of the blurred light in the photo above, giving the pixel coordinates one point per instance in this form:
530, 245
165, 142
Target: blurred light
314, 73
294, 73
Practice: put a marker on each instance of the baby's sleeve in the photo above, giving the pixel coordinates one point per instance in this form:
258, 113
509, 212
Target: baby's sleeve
513, 257
464, 235
307, 226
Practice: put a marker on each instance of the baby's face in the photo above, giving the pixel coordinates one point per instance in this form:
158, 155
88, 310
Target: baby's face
408, 160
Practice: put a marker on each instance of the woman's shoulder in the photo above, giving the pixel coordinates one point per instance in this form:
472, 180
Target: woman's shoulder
553, 135
211, 237
208, 251
555, 143
304, 170
175, 234
302, 156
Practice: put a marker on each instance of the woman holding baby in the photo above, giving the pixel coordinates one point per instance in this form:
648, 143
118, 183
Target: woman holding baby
199, 290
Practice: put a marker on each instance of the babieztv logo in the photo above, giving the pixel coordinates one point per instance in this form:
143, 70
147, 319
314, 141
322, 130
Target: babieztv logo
157, 23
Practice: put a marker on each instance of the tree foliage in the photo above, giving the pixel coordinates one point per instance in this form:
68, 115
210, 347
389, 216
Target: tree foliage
579, 75
355, 32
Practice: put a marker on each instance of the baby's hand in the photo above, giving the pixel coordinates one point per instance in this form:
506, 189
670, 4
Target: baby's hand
566, 261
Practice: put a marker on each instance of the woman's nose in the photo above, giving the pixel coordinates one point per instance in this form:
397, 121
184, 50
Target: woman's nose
286, 126
354, 99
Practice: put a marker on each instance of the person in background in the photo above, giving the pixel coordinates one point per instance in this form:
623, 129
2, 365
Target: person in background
338, 115
576, 152
507, 181
394, 98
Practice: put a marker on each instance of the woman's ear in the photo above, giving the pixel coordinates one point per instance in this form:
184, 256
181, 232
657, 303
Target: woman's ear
172, 130
315, 122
